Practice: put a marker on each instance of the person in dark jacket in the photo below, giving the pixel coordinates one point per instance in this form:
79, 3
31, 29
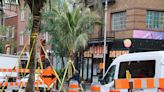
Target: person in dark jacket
76, 76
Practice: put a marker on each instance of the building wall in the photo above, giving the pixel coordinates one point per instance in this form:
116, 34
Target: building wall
135, 19
10, 19
135, 15
22, 29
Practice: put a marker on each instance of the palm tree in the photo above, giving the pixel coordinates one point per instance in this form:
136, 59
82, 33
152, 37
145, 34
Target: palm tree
35, 7
69, 26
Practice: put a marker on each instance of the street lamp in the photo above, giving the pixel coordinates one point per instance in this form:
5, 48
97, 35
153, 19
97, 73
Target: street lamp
105, 30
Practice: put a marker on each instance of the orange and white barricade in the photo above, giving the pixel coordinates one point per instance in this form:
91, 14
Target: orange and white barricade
114, 90
139, 83
96, 87
73, 86
16, 84
14, 70
17, 70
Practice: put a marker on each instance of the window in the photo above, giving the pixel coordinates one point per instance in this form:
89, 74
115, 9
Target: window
137, 69
155, 19
21, 38
22, 17
8, 33
118, 21
110, 75
13, 31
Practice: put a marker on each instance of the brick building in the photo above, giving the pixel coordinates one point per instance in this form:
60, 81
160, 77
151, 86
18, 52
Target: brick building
17, 19
133, 26
24, 32
10, 20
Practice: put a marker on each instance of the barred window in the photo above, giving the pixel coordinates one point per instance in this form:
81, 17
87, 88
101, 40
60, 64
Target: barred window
21, 38
155, 19
118, 20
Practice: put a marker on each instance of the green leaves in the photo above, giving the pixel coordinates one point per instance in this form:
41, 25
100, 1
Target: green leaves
68, 26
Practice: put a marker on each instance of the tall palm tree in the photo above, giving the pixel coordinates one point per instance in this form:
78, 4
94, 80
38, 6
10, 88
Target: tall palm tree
69, 26
35, 7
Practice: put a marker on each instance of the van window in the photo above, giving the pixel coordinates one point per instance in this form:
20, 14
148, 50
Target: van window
138, 69
110, 75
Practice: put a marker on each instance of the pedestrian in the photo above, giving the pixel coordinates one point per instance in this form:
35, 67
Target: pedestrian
76, 76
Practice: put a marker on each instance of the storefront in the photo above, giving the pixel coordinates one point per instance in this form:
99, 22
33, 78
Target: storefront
92, 61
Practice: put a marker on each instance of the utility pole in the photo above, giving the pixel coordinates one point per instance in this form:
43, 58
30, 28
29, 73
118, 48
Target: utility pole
105, 33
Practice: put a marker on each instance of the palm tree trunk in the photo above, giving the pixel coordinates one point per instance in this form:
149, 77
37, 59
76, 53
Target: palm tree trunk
35, 7
33, 39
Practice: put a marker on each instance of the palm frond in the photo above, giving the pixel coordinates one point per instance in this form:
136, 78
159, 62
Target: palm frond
69, 27
81, 41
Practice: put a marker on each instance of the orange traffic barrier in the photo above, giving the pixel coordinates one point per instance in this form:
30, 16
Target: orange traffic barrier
16, 70
73, 87
16, 84
161, 83
122, 83
150, 83
96, 87
114, 91
138, 83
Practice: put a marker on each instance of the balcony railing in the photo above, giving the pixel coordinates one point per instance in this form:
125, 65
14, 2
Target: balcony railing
100, 35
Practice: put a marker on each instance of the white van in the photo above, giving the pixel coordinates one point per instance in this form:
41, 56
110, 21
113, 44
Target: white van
8, 62
140, 65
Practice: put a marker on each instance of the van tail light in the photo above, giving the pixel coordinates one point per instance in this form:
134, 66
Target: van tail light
160, 89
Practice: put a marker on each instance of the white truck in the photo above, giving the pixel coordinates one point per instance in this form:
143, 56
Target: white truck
8, 62
139, 65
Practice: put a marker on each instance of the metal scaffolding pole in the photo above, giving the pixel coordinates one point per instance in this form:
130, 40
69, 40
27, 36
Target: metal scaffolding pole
105, 33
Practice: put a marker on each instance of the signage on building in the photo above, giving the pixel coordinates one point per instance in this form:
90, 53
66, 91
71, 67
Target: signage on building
99, 49
87, 54
146, 34
127, 43
116, 53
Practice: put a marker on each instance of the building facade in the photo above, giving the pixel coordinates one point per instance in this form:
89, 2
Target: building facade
16, 18
132, 26
9, 19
